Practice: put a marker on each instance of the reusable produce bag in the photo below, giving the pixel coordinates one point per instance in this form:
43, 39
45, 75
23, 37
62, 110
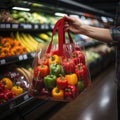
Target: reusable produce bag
60, 71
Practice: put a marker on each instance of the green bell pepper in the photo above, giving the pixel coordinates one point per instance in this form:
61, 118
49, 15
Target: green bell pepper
80, 86
50, 81
56, 69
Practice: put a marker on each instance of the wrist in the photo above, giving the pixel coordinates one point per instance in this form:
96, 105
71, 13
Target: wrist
83, 29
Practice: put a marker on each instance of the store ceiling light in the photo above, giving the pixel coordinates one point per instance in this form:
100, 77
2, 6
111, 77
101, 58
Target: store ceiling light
21, 8
60, 14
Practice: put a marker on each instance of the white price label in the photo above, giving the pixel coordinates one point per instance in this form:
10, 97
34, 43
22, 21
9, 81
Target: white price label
11, 106
26, 97
2, 25
27, 26
51, 26
25, 57
46, 26
7, 25
3, 61
33, 54
36, 26
42, 26
15, 26
20, 57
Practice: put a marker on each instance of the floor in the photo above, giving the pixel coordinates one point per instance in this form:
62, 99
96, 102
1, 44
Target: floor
98, 102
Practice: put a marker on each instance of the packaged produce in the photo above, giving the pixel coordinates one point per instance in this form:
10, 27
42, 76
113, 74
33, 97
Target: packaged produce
60, 71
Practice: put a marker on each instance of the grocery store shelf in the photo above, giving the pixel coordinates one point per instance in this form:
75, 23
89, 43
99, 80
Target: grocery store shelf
16, 58
25, 27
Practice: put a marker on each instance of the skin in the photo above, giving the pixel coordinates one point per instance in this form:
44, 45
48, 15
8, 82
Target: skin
74, 25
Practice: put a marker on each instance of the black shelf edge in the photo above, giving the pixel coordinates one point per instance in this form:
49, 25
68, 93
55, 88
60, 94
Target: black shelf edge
17, 58
25, 27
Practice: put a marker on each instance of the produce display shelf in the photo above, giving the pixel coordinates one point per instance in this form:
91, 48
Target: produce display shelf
101, 63
10, 105
25, 26
13, 59
15, 104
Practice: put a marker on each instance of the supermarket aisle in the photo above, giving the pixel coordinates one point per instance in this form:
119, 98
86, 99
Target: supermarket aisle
98, 102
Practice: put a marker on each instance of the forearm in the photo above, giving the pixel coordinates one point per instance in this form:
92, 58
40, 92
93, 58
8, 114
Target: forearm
100, 34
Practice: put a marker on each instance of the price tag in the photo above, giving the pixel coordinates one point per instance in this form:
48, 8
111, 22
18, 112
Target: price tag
25, 57
2, 25
26, 97
27, 26
15, 26
42, 26
11, 105
7, 25
3, 61
51, 26
20, 57
22, 25
36, 26
33, 54
46, 26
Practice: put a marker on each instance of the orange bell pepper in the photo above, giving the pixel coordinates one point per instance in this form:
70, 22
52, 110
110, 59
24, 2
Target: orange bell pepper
41, 71
7, 82
57, 93
72, 78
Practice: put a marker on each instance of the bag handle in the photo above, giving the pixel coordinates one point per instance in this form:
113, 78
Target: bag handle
59, 26
56, 26
61, 38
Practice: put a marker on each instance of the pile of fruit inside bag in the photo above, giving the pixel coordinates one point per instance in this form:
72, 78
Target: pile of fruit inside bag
60, 71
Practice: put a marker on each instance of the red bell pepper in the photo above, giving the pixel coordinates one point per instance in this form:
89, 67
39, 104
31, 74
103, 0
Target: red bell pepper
78, 57
41, 71
61, 82
68, 65
37, 83
71, 91
81, 70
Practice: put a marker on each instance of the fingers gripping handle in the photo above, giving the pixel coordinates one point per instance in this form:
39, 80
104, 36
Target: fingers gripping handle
59, 27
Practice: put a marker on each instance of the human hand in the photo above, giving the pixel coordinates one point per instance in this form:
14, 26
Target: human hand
72, 24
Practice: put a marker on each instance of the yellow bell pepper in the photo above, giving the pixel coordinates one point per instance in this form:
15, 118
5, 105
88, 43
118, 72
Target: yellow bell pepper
54, 59
57, 93
72, 78
7, 82
17, 90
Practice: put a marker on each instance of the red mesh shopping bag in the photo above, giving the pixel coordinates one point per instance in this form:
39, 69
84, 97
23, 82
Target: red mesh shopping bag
60, 71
